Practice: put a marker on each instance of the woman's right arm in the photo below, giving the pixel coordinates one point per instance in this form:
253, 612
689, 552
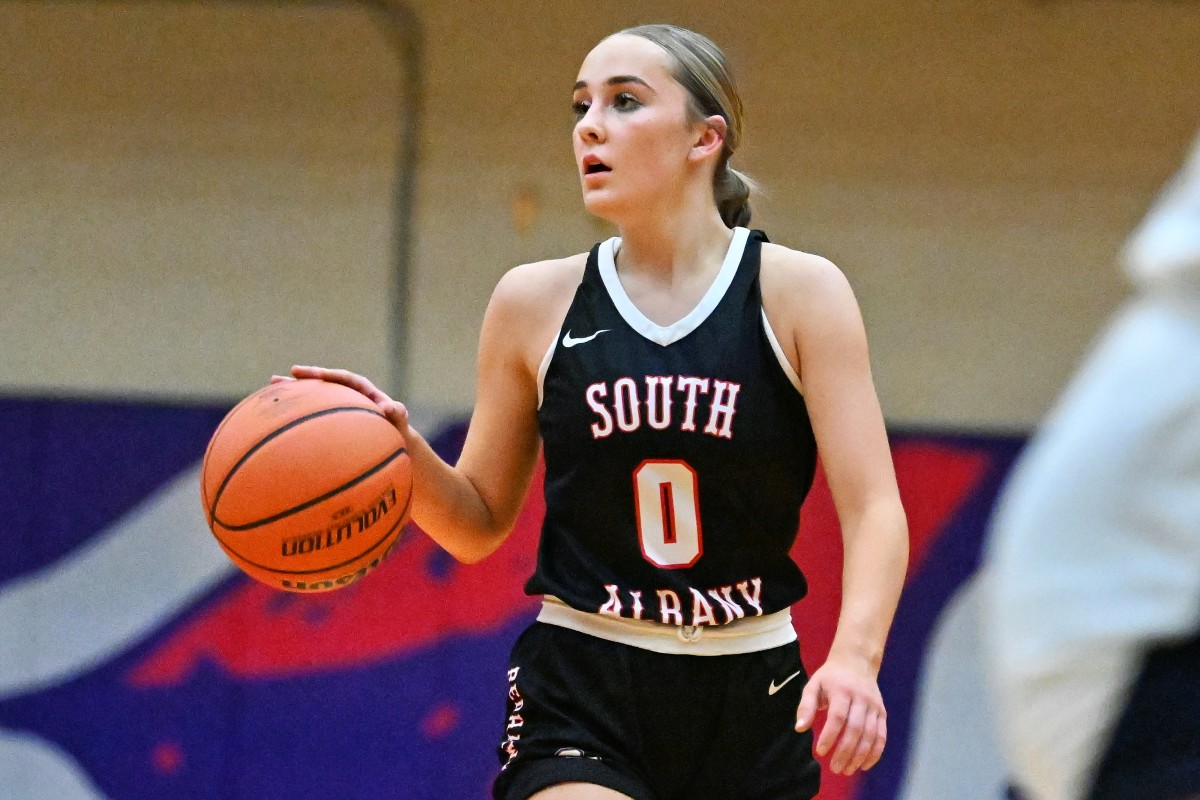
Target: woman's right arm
470, 508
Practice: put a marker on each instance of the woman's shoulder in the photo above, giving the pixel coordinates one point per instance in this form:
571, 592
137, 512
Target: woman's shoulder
531, 300
802, 276
540, 281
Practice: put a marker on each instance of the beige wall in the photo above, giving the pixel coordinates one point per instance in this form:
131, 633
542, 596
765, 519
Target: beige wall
973, 167
192, 196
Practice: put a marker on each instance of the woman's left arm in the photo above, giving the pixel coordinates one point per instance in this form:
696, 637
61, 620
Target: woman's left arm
828, 338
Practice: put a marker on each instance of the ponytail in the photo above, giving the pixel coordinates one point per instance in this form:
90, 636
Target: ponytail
731, 190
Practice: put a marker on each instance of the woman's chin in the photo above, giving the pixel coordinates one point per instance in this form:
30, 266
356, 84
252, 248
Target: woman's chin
604, 206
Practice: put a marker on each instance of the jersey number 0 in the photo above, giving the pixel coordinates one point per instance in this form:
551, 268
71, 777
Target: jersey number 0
666, 498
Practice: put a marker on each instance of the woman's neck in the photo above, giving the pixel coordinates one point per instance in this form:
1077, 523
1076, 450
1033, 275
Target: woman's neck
662, 246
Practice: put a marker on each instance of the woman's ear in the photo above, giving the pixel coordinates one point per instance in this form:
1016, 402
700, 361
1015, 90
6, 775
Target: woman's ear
710, 137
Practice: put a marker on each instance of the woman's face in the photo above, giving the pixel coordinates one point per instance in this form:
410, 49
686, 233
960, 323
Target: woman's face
633, 134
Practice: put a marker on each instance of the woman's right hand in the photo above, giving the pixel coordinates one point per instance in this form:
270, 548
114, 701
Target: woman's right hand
393, 410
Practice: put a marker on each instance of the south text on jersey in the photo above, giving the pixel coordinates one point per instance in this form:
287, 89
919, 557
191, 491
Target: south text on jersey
663, 401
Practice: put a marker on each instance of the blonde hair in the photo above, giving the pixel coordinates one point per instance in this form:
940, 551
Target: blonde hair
702, 69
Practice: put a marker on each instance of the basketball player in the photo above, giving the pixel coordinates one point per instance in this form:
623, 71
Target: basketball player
680, 378
1094, 563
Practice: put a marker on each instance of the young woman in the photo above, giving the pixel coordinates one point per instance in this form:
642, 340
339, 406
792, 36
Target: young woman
680, 380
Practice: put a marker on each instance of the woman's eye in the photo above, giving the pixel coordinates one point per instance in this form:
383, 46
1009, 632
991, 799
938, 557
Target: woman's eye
580, 109
625, 102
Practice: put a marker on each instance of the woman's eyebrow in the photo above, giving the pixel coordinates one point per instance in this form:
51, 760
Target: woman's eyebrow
615, 80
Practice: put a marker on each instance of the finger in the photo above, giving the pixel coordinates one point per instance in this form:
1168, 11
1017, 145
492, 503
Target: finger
866, 743
879, 744
281, 378
346, 378
839, 712
305, 372
342, 376
852, 734
397, 414
806, 712
356, 381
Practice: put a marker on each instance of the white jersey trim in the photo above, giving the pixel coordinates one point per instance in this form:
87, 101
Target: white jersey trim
669, 334
545, 365
749, 635
783, 362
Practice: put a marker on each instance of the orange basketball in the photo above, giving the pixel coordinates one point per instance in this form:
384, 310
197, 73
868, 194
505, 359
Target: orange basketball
306, 485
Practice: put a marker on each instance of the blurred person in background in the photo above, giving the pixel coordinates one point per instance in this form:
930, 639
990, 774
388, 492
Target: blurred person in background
1093, 569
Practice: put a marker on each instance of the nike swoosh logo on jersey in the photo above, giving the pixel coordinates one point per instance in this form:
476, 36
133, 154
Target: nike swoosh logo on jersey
569, 342
775, 688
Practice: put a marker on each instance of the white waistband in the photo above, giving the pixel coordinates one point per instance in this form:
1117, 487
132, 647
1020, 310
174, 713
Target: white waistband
748, 635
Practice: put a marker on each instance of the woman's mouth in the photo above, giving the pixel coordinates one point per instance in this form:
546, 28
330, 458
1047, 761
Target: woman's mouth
594, 166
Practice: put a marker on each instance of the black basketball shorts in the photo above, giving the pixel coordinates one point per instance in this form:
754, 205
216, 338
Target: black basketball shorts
650, 725
1154, 752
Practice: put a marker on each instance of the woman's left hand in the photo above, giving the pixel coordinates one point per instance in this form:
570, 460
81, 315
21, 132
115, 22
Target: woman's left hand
856, 721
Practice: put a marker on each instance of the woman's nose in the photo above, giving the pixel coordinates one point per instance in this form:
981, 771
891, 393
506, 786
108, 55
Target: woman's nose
589, 129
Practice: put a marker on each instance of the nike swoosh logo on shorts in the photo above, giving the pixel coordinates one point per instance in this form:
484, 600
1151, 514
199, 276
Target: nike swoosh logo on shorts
774, 688
569, 342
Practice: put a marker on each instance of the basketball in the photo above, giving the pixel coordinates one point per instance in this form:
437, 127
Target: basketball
306, 485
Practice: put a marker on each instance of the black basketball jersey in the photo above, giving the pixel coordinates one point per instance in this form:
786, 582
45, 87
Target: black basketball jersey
677, 457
